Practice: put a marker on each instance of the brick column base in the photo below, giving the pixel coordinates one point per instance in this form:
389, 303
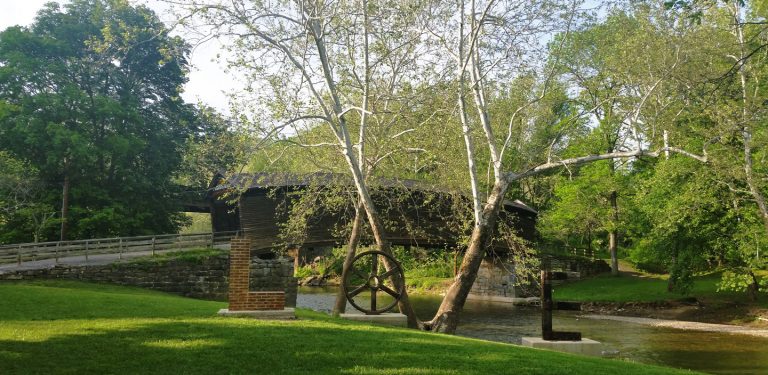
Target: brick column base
240, 297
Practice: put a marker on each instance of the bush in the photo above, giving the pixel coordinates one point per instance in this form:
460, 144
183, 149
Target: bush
303, 272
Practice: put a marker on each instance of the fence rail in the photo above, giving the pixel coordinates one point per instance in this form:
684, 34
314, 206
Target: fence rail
25, 252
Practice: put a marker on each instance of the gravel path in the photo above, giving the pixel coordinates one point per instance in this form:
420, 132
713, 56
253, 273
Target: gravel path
679, 324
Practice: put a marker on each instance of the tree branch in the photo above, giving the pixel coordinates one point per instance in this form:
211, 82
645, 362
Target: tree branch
511, 176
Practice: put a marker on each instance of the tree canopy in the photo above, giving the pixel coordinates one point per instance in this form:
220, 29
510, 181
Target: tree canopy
89, 97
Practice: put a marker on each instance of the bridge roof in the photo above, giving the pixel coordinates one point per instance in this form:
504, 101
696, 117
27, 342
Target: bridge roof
266, 180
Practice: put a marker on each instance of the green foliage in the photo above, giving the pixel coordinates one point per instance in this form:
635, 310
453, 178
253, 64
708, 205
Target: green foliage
319, 204
304, 272
90, 93
196, 256
740, 281
689, 222
199, 222
214, 147
22, 214
417, 284
420, 262
580, 215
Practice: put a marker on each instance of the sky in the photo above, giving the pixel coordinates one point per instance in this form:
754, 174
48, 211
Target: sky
208, 82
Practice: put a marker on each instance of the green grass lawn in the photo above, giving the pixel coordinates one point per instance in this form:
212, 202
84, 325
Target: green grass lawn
644, 288
68, 327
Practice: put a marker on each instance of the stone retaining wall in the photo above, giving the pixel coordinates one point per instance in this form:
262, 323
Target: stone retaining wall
206, 278
496, 277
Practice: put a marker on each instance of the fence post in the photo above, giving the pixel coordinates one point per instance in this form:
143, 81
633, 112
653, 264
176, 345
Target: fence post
86, 251
18, 256
153, 246
57, 252
120, 249
213, 241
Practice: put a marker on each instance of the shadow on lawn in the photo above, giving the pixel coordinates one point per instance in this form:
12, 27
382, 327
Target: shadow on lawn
244, 346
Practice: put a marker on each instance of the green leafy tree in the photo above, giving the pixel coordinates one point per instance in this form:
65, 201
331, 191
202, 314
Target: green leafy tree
692, 223
620, 70
91, 99
22, 214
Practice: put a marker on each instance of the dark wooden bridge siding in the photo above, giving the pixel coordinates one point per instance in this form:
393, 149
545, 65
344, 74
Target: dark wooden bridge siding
410, 221
225, 216
262, 211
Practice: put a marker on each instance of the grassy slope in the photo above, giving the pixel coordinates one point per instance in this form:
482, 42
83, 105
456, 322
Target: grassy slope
644, 288
69, 327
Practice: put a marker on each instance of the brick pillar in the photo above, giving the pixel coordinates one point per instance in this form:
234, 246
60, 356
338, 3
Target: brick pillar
239, 266
240, 297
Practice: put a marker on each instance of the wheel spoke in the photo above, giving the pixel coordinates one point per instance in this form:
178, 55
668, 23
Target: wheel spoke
359, 274
373, 299
357, 291
389, 291
389, 273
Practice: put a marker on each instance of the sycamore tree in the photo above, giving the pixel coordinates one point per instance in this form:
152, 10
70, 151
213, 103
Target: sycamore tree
749, 121
337, 65
487, 41
725, 114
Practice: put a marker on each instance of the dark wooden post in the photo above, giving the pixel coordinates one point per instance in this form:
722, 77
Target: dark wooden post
375, 271
547, 305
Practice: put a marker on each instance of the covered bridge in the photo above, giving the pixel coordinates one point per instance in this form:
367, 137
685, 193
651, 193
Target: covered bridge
415, 213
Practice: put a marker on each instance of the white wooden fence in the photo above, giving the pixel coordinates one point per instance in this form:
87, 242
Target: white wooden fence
26, 252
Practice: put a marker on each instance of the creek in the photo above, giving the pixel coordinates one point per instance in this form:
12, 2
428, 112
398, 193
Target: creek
711, 352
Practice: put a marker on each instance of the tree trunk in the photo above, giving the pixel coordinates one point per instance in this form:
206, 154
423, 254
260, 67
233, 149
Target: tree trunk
672, 278
757, 195
447, 317
746, 131
754, 287
340, 306
64, 208
613, 234
353, 161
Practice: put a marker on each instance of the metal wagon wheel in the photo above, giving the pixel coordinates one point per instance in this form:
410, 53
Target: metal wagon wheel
363, 275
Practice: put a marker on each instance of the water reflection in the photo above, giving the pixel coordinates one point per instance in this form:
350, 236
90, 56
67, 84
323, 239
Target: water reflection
701, 351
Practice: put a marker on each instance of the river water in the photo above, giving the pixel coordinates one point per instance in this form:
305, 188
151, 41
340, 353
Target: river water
718, 353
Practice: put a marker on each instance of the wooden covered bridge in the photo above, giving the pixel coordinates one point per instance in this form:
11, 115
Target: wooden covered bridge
415, 214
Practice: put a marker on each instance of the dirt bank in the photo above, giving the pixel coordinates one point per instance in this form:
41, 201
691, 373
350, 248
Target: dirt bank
691, 326
691, 310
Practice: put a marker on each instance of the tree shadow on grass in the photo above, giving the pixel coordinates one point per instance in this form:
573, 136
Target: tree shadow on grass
218, 345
